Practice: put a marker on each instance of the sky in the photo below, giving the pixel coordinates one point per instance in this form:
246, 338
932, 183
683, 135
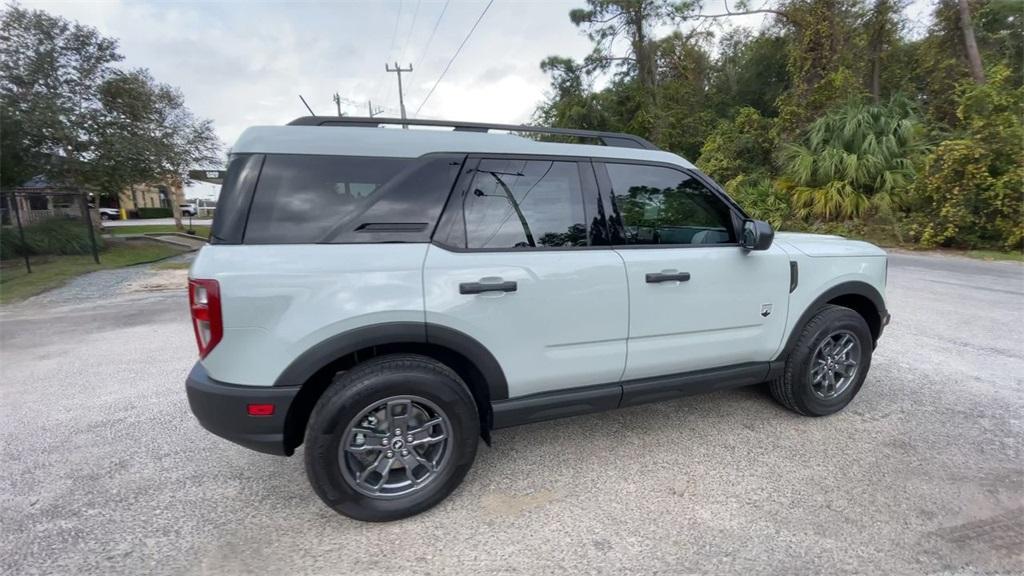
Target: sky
245, 63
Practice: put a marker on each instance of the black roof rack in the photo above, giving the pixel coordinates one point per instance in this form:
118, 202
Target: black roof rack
617, 139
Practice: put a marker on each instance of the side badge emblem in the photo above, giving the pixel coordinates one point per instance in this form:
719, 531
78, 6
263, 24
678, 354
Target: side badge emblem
766, 310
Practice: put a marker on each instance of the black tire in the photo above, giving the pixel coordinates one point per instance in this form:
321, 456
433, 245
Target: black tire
104, 216
794, 389
369, 384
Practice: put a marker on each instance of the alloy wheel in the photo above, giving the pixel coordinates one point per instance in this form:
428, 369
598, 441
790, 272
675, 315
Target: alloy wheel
834, 364
395, 447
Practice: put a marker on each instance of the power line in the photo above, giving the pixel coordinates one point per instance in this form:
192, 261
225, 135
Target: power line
412, 27
430, 39
391, 48
454, 56
394, 35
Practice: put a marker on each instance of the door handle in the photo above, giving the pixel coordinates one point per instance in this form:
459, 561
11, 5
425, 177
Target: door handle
481, 287
655, 277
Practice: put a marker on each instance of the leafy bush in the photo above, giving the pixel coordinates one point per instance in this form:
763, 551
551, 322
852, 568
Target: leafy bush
761, 199
57, 236
155, 213
972, 191
743, 145
856, 159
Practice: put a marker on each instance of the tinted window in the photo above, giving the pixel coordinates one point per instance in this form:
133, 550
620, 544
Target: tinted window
299, 199
524, 203
656, 205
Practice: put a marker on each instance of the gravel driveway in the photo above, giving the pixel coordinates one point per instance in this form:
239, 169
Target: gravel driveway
105, 471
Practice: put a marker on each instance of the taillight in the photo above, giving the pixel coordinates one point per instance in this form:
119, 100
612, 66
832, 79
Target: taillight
204, 300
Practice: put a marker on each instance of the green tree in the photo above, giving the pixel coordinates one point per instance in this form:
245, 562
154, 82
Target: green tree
49, 70
147, 133
972, 190
856, 159
823, 62
750, 71
742, 146
71, 115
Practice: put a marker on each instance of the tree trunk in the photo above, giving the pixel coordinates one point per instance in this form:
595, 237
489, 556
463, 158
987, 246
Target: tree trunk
973, 56
176, 212
880, 19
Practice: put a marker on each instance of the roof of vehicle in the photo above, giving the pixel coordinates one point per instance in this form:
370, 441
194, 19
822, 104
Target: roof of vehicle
362, 141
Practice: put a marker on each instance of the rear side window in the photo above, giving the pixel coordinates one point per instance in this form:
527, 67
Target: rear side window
302, 198
657, 205
524, 204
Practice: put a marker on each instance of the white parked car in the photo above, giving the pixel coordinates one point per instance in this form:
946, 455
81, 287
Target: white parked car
188, 209
388, 296
109, 213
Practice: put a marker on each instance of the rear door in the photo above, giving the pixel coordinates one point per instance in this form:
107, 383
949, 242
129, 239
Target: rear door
512, 266
697, 299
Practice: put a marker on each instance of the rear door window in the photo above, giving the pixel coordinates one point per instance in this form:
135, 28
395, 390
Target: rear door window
302, 198
524, 204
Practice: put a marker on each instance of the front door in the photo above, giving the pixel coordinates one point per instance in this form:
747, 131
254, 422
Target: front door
511, 267
697, 299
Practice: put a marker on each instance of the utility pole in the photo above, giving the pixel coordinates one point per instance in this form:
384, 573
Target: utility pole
337, 102
401, 98
370, 109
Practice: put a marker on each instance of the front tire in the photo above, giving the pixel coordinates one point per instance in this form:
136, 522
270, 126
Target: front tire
391, 438
828, 364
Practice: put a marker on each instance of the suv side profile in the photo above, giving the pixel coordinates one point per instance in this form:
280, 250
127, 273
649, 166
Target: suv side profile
386, 297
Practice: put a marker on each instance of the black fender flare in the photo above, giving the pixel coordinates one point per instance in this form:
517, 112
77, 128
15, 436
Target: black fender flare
854, 287
320, 355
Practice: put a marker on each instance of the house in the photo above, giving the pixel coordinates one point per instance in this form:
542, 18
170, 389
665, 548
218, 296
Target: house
40, 199
162, 195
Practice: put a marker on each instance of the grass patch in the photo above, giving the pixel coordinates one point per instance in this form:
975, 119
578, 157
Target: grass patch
172, 265
201, 231
995, 255
49, 272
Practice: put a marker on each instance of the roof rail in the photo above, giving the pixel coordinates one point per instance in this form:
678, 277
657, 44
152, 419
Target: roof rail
618, 139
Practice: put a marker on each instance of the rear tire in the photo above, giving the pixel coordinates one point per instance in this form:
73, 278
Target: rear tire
360, 467
828, 364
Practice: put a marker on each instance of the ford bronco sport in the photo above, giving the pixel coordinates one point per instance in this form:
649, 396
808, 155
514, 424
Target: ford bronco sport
387, 296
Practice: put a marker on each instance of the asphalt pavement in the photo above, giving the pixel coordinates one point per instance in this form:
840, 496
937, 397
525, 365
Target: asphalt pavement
105, 471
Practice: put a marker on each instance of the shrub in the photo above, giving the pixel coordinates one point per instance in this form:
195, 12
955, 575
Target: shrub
760, 198
742, 146
57, 236
972, 191
856, 159
155, 213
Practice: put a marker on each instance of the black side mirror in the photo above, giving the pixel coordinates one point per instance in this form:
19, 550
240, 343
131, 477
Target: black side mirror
757, 235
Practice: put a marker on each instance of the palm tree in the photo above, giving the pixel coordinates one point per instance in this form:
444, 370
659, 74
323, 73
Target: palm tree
857, 158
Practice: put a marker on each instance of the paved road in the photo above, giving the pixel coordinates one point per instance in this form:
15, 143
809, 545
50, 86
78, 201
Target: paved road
106, 472
156, 222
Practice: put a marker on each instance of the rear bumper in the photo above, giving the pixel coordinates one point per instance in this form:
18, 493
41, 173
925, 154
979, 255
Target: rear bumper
222, 409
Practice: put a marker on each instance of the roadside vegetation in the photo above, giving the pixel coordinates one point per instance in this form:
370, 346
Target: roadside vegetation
832, 117
201, 231
52, 271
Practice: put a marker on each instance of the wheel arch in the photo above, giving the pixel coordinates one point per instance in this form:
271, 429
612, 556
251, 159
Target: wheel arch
314, 370
861, 297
